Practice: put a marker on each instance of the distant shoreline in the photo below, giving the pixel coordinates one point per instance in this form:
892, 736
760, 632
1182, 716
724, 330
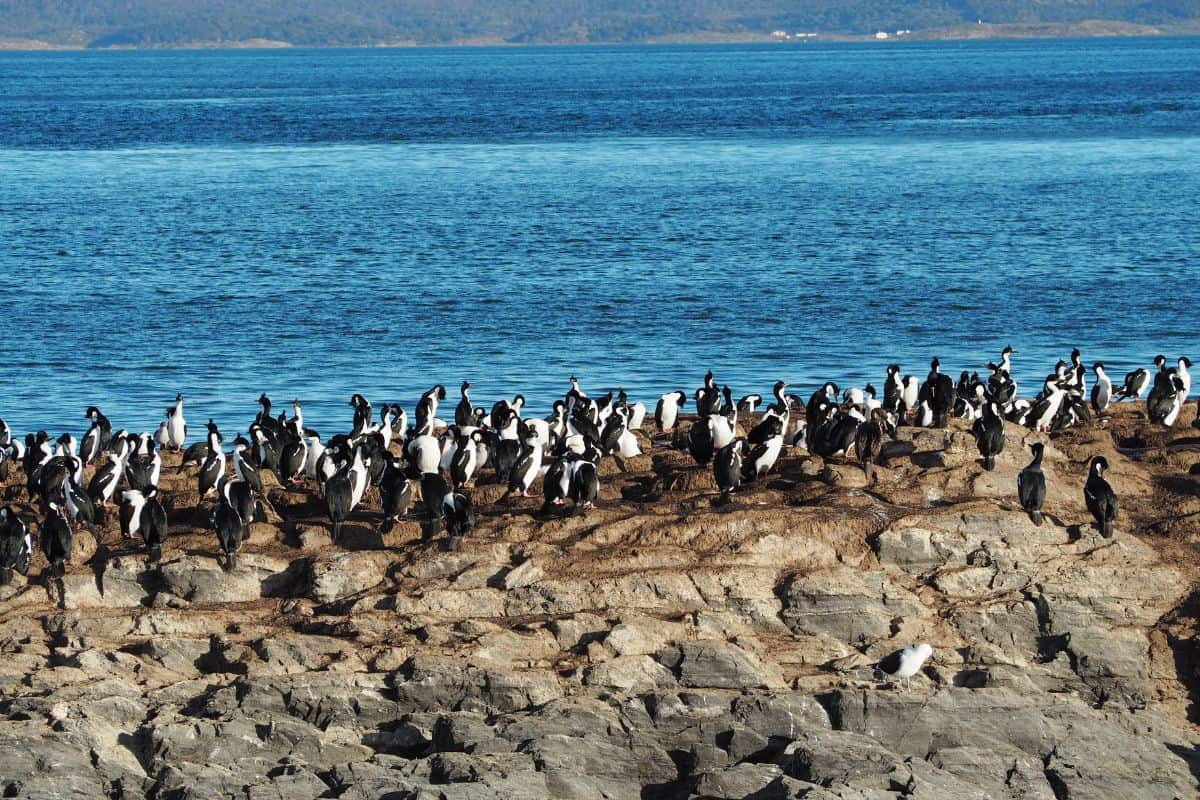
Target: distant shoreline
1090, 29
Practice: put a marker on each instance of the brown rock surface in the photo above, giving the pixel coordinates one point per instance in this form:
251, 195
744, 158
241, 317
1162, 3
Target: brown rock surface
659, 646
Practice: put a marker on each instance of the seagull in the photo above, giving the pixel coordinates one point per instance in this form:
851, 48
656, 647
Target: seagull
904, 664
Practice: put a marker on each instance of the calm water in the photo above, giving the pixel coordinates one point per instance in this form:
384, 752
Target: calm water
314, 223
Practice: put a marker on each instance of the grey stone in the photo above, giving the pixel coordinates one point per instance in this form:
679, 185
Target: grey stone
760, 781
847, 604
334, 576
630, 674
719, 665
200, 579
429, 683
828, 757
524, 574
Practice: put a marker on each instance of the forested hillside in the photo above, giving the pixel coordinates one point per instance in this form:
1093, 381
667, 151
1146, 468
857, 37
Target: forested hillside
107, 23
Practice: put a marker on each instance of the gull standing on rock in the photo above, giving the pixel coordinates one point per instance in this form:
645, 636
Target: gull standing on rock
903, 664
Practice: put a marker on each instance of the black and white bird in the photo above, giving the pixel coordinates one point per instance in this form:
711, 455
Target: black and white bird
835, 434
727, 468
154, 525
1031, 485
575, 397
214, 463
923, 415
395, 492
1005, 365
459, 516
424, 452
57, 537
103, 486
1001, 387
749, 404
556, 420
666, 413
143, 514
868, 441
162, 436
700, 440
1077, 375
1182, 369
362, 414
893, 389
1102, 391
904, 664
316, 449
293, 455
556, 484
527, 468
78, 503
339, 497
141, 470
1099, 497
7, 456
466, 458
765, 453
16, 547
1166, 400
263, 418
584, 482
708, 397
433, 494
1178, 398
1136, 382
938, 390
509, 411
911, 396
464, 412
1043, 413
989, 434
97, 438
265, 446
344, 491
176, 425
724, 426
427, 406
506, 453
821, 400
243, 468
231, 518
195, 454
132, 501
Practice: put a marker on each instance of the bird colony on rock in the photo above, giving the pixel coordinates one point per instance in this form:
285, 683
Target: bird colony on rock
440, 462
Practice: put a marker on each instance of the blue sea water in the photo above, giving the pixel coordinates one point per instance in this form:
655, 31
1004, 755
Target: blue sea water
315, 223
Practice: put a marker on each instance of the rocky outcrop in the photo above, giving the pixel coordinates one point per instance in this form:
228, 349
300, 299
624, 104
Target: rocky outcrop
659, 646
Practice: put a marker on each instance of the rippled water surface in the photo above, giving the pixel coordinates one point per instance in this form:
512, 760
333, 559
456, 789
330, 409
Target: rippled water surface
314, 223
